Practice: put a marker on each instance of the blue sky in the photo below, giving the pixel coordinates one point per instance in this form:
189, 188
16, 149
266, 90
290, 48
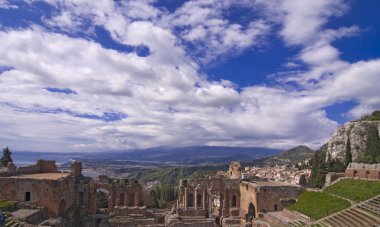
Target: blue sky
118, 75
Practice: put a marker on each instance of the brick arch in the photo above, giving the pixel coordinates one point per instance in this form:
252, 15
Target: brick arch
62, 208
111, 197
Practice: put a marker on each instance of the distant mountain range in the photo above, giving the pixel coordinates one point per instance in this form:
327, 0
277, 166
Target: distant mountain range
177, 155
293, 155
196, 154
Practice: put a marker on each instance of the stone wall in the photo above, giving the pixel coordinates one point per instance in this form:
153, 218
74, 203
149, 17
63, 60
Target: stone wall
130, 211
363, 171
57, 195
42, 166
266, 197
332, 176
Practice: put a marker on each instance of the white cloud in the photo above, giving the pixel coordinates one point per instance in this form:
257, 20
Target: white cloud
5, 4
166, 99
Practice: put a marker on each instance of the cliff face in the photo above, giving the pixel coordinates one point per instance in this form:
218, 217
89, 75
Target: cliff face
356, 132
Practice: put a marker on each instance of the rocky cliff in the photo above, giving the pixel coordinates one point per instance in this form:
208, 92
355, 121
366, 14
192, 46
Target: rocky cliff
356, 133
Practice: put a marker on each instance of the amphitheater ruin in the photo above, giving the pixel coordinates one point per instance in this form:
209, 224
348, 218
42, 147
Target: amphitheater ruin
47, 197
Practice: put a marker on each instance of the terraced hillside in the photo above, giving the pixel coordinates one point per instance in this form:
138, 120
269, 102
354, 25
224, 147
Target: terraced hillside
318, 204
366, 213
337, 205
356, 190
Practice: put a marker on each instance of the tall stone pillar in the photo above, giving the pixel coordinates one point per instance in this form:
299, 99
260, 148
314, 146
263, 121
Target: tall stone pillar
195, 199
185, 199
204, 199
226, 203
136, 199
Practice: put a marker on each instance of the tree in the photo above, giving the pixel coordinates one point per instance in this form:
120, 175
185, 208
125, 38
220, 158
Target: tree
303, 181
6, 157
348, 158
372, 150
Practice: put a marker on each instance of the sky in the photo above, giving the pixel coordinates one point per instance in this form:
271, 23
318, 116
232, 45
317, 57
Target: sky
85, 76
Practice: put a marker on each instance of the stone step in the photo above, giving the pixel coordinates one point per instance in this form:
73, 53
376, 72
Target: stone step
356, 219
368, 209
326, 223
333, 222
336, 220
373, 203
344, 220
364, 218
367, 214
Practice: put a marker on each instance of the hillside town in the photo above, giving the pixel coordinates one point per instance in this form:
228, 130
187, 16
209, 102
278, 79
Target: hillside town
279, 173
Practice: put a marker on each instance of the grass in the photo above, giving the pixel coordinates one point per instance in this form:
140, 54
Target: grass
318, 204
4, 205
356, 190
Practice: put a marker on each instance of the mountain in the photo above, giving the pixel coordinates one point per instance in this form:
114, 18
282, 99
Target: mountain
293, 155
159, 155
355, 141
196, 154
352, 136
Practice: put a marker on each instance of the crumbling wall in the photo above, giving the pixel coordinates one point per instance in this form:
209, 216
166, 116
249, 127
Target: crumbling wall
42, 166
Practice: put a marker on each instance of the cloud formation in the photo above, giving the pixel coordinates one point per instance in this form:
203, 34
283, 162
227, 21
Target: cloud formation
62, 90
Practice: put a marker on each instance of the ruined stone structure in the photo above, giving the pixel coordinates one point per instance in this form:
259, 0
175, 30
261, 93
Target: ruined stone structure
68, 194
363, 171
229, 201
234, 171
332, 176
70, 199
261, 197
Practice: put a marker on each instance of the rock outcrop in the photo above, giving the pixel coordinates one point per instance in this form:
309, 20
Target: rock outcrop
356, 131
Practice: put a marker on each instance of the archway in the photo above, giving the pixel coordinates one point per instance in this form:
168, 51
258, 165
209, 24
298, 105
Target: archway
190, 200
234, 201
367, 174
62, 208
355, 173
251, 212
199, 200
131, 199
27, 197
102, 197
121, 199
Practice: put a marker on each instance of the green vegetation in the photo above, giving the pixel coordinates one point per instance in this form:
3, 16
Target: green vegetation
173, 175
319, 168
357, 190
6, 157
163, 195
291, 156
348, 157
165, 192
372, 151
375, 116
318, 204
6, 205
101, 199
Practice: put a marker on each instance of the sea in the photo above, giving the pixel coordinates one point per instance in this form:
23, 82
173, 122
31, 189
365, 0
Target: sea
30, 158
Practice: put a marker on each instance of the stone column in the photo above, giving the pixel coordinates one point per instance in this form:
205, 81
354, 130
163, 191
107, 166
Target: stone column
136, 201
204, 199
210, 204
185, 199
226, 203
195, 199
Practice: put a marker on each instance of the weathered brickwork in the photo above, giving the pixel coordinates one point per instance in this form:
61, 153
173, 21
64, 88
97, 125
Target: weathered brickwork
363, 171
230, 201
69, 195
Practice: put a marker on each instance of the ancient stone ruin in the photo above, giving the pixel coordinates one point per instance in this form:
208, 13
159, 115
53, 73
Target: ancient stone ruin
46, 196
68, 198
363, 171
